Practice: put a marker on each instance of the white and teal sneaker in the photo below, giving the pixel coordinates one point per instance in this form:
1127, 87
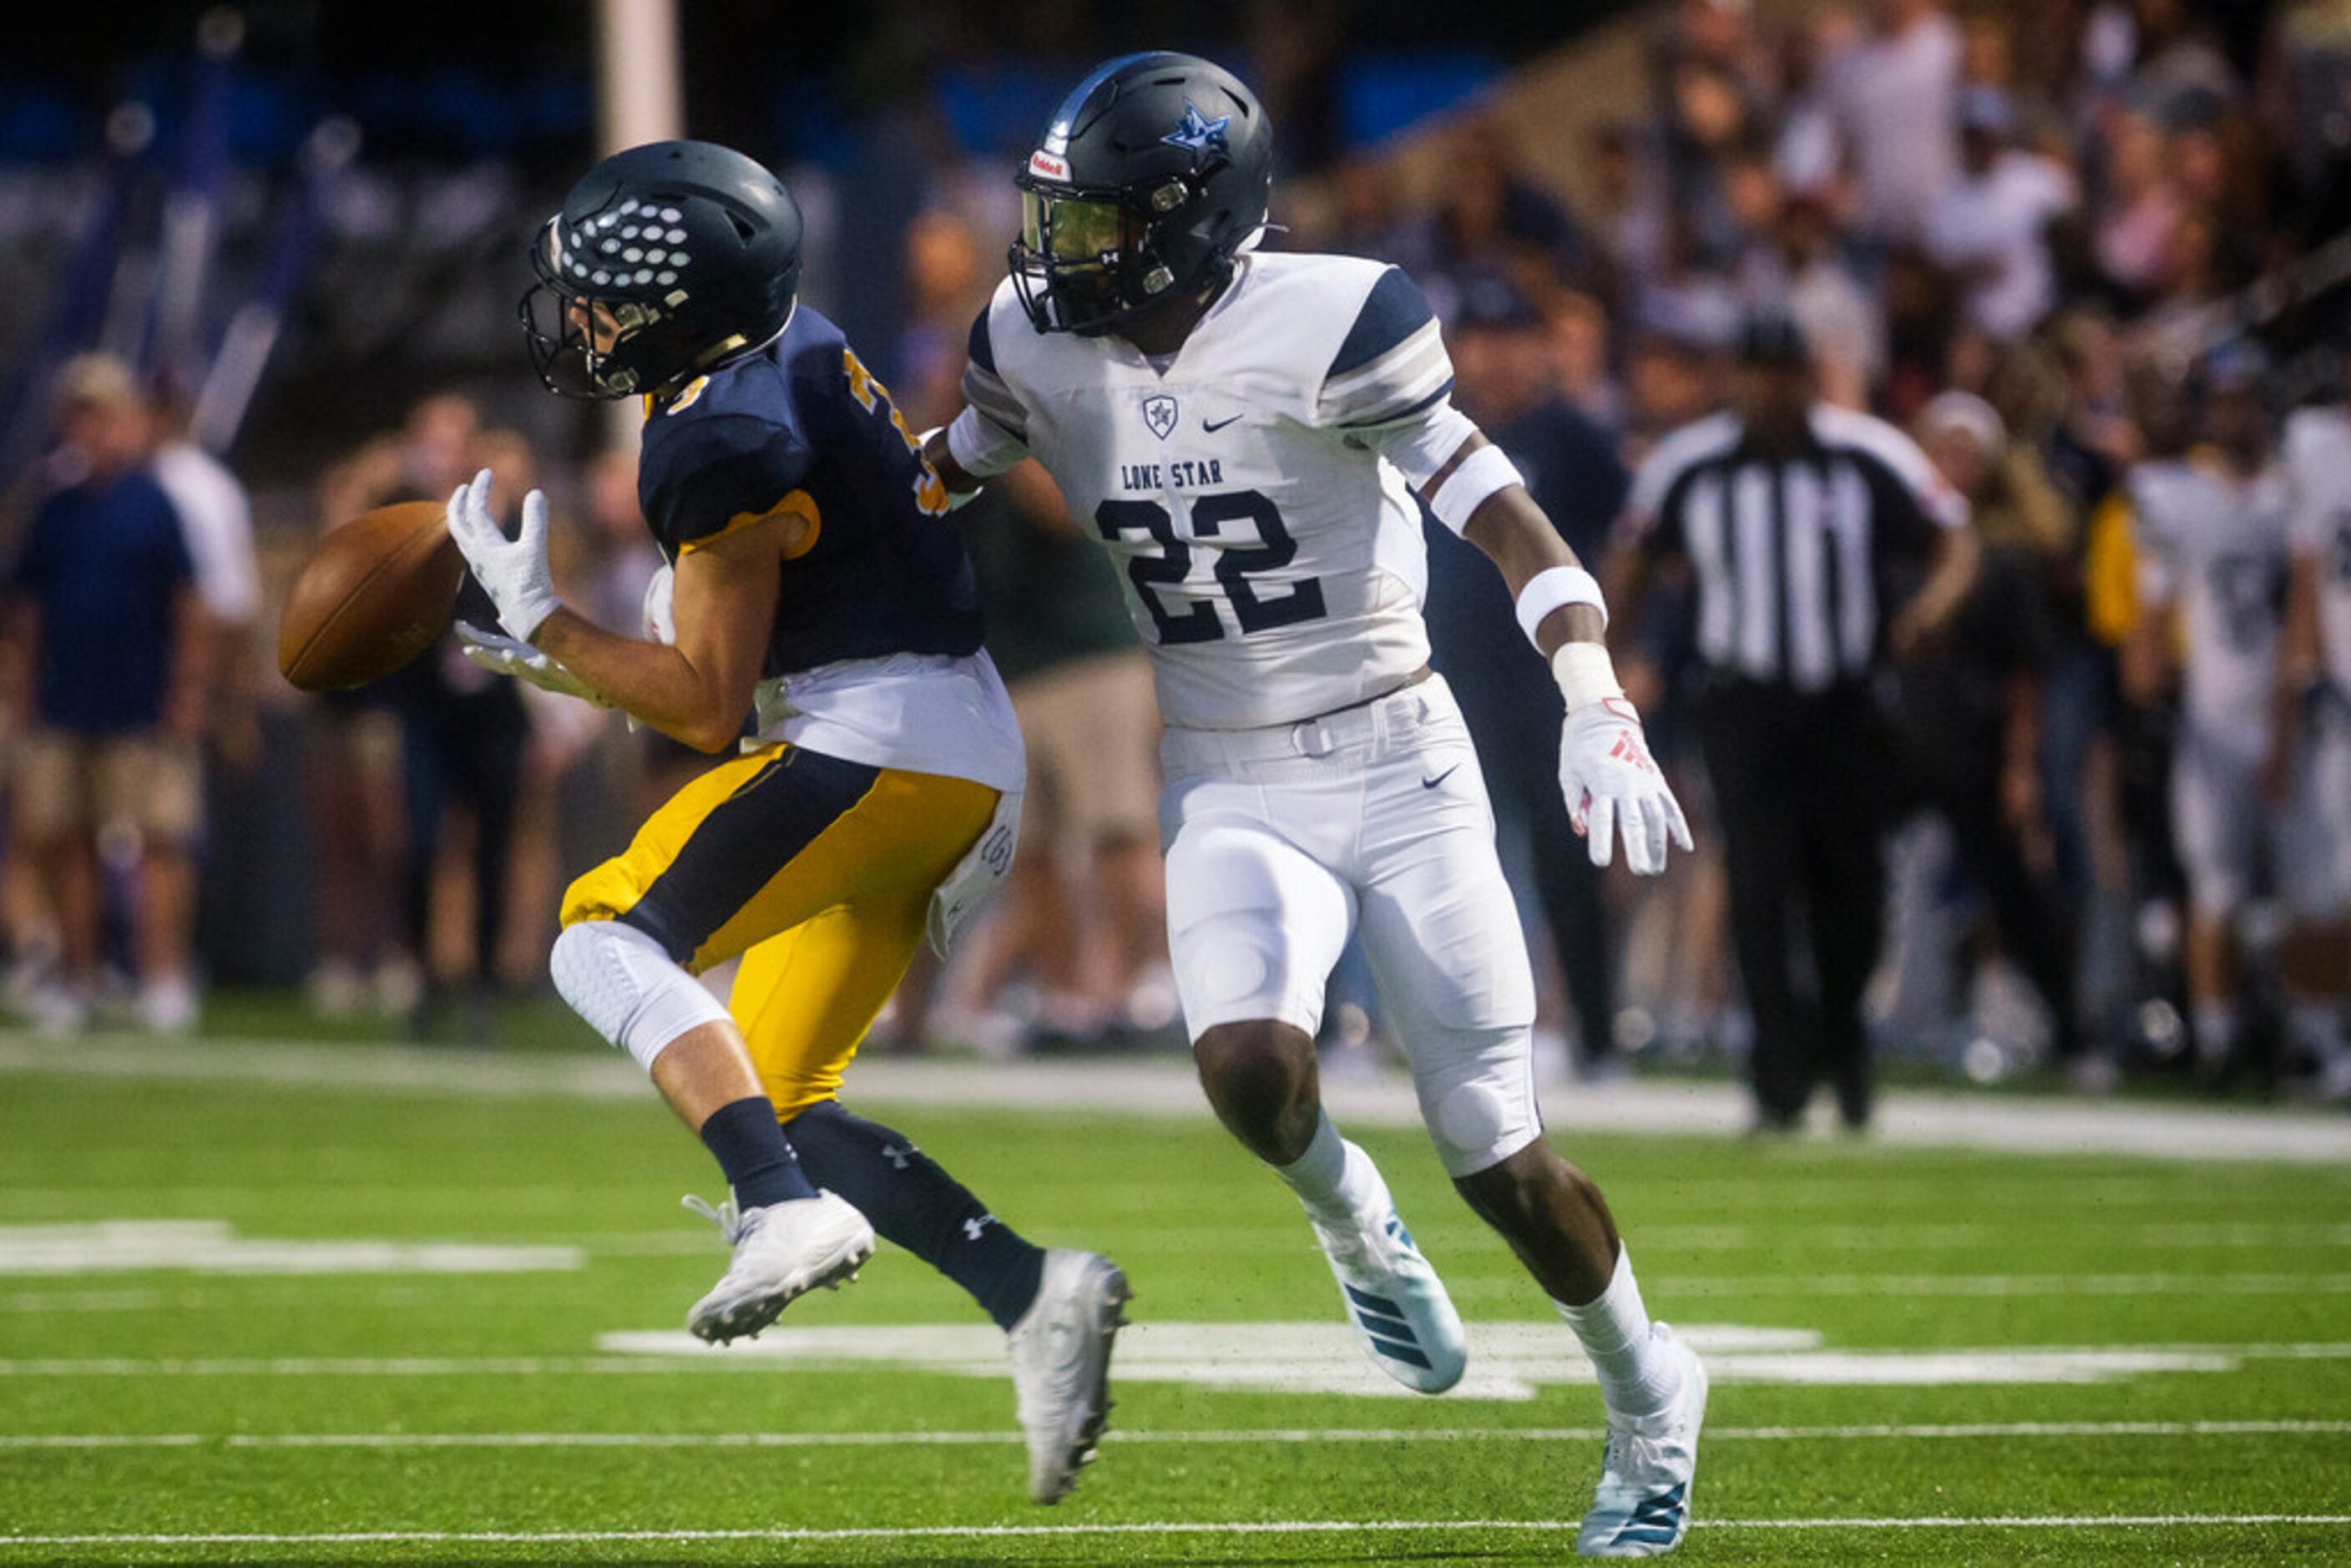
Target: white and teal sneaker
1395, 1302
1642, 1507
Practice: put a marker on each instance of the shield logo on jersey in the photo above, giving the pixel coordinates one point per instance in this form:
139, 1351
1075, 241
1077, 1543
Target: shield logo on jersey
1159, 414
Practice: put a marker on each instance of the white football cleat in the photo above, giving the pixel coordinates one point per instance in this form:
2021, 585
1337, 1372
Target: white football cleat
782, 1250
1395, 1303
1642, 1507
1061, 1366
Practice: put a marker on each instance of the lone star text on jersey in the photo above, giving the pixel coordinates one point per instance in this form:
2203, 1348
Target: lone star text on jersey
1163, 475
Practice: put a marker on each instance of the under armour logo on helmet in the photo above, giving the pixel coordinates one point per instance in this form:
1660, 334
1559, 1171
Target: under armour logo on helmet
1199, 135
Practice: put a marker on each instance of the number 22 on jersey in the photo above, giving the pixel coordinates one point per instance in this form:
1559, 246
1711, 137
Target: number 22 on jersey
1165, 573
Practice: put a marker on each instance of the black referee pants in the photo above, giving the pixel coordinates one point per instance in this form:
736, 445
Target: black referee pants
1799, 785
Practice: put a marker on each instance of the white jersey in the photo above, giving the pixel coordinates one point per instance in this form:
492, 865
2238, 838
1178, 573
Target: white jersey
2213, 543
1272, 559
2318, 463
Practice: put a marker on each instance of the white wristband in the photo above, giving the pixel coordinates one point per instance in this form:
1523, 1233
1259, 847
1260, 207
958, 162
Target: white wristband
1550, 589
1481, 474
1585, 675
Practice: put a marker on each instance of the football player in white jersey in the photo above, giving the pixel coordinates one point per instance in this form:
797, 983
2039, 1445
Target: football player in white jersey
1247, 433
2314, 677
2212, 528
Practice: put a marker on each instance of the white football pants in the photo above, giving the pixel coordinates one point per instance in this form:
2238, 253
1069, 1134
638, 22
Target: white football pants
1283, 841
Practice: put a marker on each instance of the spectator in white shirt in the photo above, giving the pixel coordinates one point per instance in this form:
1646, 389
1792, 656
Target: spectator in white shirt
1990, 227
216, 521
1892, 95
1845, 326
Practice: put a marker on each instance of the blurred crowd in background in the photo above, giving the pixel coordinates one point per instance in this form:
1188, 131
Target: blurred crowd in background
2057, 243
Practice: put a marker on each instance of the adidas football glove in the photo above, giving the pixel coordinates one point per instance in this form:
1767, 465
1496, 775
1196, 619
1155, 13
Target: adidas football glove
1611, 783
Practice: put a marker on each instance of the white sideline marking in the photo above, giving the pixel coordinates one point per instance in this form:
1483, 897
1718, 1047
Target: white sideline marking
2027, 1522
401, 1440
214, 1246
1246, 1527
2005, 1285
2038, 1364
1169, 1089
1878, 1240
1507, 1361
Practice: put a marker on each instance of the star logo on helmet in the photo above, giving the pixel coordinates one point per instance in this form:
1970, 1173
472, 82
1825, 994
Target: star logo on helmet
1199, 135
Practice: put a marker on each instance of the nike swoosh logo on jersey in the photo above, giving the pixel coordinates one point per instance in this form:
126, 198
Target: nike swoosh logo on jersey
1208, 429
1433, 783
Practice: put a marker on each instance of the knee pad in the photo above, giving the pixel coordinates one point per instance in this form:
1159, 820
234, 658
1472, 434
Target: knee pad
628, 991
1477, 1089
1254, 926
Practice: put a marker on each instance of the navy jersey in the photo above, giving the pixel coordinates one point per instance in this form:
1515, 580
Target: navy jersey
800, 427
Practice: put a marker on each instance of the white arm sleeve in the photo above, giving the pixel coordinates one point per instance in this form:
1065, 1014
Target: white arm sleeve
991, 434
980, 447
1422, 445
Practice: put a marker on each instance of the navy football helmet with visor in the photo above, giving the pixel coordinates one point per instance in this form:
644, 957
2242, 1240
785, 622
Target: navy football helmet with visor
667, 261
1153, 176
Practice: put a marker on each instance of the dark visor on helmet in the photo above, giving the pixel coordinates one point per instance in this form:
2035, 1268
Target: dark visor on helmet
1082, 262
1075, 228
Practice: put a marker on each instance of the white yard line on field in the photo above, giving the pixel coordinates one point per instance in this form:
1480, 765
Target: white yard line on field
1942, 1285
750, 1359
1185, 1527
407, 1440
1663, 1236
1168, 1088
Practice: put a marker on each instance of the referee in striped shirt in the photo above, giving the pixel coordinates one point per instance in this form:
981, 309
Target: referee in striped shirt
1820, 542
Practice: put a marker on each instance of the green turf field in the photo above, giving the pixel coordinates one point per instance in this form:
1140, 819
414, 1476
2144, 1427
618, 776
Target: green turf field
432, 1324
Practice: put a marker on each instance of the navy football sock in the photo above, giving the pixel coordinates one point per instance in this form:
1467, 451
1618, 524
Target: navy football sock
913, 1203
752, 1150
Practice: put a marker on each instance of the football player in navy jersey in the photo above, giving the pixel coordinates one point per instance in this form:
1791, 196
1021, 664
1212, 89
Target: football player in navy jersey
821, 620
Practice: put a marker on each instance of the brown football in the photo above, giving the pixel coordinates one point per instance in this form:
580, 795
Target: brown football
379, 590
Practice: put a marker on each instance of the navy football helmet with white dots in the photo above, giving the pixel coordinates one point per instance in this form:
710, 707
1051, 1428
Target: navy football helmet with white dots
666, 262
1153, 175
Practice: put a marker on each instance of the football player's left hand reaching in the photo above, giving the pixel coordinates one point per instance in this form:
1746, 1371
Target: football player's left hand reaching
514, 572
504, 655
1613, 784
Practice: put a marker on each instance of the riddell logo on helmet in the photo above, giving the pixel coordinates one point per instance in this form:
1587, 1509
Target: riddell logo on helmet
1046, 165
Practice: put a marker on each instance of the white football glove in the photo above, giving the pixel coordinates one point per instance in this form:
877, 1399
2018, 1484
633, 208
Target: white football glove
514, 572
503, 655
1612, 782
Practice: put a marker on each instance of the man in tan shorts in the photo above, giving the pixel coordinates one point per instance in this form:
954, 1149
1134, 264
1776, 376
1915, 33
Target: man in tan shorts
107, 637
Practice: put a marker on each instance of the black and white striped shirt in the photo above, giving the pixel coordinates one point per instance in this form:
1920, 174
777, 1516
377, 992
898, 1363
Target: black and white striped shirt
1792, 552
